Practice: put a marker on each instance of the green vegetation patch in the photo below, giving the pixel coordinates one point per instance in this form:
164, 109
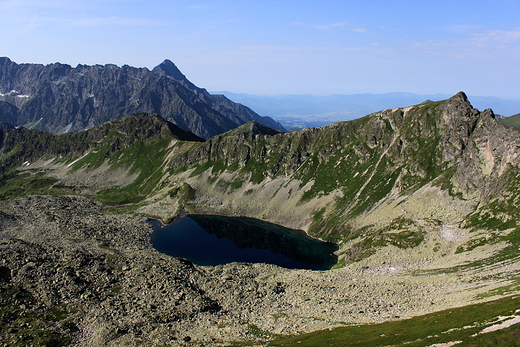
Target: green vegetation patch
490, 238
511, 288
92, 160
257, 332
15, 185
199, 169
511, 122
457, 324
146, 159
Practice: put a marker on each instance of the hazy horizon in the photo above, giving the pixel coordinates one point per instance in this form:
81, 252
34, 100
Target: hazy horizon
282, 47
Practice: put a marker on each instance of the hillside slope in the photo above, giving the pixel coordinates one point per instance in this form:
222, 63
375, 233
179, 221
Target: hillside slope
422, 201
333, 182
512, 121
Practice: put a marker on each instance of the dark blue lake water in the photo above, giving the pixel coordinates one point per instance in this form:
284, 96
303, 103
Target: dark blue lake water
184, 238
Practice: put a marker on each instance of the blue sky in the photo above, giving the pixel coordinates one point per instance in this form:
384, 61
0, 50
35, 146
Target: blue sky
282, 46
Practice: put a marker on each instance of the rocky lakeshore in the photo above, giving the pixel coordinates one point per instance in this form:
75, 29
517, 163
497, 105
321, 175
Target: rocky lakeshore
74, 273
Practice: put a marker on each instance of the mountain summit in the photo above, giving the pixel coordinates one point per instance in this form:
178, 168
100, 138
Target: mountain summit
59, 98
168, 68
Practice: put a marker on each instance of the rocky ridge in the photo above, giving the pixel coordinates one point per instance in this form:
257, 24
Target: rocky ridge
59, 98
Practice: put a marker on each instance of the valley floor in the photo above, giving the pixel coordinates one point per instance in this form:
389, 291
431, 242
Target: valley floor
112, 288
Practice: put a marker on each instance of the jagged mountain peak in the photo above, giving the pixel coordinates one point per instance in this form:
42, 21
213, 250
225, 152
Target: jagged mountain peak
5, 60
168, 68
460, 96
458, 110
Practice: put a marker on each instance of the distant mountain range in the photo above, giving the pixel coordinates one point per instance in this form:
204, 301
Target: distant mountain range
306, 110
59, 98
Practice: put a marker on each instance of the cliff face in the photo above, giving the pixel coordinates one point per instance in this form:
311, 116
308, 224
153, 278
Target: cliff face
59, 98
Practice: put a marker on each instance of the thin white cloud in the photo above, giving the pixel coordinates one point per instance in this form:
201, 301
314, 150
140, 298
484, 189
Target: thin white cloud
21, 23
499, 36
341, 24
32, 5
497, 44
321, 27
203, 30
360, 49
331, 26
28, 15
274, 48
465, 28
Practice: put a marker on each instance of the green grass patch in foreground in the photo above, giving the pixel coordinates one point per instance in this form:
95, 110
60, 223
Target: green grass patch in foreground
457, 324
26, 322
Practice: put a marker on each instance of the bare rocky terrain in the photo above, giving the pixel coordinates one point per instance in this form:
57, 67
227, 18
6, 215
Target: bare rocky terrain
99, 269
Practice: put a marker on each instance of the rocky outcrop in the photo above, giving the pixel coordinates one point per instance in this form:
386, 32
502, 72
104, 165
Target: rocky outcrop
105, 283
59, 98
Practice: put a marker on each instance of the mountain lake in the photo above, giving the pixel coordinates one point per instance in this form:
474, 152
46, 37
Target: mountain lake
232, 239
